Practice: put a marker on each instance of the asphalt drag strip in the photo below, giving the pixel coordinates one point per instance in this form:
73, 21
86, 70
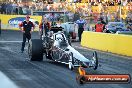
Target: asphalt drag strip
24, 73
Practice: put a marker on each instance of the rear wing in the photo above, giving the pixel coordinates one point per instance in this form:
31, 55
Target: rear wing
56, 29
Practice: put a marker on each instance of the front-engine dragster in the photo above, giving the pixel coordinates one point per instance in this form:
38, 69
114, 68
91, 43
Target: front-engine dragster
56, 47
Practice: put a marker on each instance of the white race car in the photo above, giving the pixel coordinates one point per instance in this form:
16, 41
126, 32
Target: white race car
56, 48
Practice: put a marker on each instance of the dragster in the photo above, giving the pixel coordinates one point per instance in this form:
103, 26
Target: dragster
55, 46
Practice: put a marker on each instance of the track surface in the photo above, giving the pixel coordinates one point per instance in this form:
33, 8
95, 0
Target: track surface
47, 74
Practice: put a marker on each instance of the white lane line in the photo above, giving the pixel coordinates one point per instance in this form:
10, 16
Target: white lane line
5, 82
10, 41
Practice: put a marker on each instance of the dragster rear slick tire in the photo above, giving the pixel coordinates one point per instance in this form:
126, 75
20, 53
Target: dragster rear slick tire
96, 60
35, 50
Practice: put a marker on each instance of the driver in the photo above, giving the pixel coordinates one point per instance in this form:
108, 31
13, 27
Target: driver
59, 39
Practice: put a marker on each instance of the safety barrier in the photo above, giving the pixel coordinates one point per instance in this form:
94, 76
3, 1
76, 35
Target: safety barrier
12, 21
115, 43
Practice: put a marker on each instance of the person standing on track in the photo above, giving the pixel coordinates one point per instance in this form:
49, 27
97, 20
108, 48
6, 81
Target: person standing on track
27, 27
44, 26
81, 24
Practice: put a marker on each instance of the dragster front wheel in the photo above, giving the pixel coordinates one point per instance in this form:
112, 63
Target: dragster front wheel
95, 60
71, 61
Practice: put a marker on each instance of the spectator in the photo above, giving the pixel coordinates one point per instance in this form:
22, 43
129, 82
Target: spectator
108, 17
99, 27
128, 19
8, 8
87, 25
45, 8
16, 10
66, 18
124, 3
20, 11
102, 21
76, 16
24, 10
92, 3
33, 7
14, 6
111, 3
0, 8
70, 15
129, 25
117, 18
119, 2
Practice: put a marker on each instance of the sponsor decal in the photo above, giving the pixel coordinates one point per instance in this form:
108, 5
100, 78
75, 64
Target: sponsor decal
14, 22
84, 78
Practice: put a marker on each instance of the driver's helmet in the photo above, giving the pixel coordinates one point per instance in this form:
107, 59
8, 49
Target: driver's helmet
59, 37
59, 32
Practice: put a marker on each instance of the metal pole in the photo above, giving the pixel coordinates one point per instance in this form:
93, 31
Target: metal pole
64, 17
31, 12
18, 10
0, 26
120, 11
